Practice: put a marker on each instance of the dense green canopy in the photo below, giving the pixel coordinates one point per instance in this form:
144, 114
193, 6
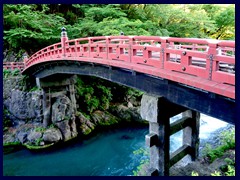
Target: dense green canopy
34, 26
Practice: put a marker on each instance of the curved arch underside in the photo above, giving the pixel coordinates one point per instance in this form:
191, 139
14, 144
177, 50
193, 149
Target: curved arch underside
202, 101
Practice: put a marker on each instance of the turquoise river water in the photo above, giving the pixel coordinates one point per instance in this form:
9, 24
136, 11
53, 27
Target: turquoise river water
108, 153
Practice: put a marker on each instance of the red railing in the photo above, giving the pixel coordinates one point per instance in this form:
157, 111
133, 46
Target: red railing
13, 65
201, 63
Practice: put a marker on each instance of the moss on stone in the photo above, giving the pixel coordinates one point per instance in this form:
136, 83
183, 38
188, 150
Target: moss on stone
7, 144
34, 147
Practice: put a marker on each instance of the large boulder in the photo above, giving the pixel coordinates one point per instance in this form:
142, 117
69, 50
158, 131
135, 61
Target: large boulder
22, 136
68, 129
10, 136
34, 136
52, 135
63, 117
127, 113
104, 118
121, 112
85, 124
62, 109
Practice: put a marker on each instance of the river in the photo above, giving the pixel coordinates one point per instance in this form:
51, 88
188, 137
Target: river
108, 153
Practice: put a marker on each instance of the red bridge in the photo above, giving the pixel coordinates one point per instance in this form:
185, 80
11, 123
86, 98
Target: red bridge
202, 64
188, 76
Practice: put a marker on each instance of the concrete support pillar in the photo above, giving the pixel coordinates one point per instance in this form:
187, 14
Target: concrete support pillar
157, 110
153, 109
72, 97
46, 108
38, 82
191, 133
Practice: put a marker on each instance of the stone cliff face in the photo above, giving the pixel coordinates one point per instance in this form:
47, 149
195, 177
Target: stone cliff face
25, 110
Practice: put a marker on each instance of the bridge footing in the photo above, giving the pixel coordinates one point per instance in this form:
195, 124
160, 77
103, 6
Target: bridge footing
158, 111
52, 89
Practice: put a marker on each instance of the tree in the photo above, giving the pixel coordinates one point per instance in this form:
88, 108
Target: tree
30, 27
26, 27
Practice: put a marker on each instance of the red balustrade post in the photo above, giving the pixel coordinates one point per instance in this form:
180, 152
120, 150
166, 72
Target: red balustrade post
211, 65
25, 59
64, 38
107, 43
163, 55
90, 42
131, 53
12, 65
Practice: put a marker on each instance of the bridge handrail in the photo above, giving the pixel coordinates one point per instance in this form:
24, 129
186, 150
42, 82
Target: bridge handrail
209, 59
41, 52
13, 65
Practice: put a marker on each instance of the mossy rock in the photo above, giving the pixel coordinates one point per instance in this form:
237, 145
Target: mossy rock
104, 118
34, 147
85, 129
8, 144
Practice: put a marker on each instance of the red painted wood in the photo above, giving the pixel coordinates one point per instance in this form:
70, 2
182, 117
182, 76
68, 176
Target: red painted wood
183, 60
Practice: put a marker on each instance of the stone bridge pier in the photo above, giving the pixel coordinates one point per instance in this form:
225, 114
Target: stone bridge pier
158, 111
61, 88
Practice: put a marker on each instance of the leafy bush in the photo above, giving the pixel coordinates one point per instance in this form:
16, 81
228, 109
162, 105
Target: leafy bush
231, 171
216, 173
228, 138
194, 173
93, 94
6, 73
228, 142
15, 72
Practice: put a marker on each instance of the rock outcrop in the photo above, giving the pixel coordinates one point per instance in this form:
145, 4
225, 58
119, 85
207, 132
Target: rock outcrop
63, 117
24, 106
25, 110
52, 135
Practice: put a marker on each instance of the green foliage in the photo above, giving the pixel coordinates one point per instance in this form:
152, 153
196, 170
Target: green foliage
25, 24
228, 142
15, 72
194, 173
143, 163
40, 129
229, 161
38, 141
141, 151
93, 94
51, 126
140, 168
30, 27
6, 73
216, 173
231, 171
35, 88
228, 138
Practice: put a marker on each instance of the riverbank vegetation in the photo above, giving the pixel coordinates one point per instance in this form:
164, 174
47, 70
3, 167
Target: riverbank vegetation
217, 161
30, 27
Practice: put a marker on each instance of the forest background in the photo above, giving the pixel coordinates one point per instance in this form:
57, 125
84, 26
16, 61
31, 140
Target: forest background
30, 27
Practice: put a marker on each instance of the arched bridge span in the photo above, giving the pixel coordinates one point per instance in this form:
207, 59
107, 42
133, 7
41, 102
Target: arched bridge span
196, 73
